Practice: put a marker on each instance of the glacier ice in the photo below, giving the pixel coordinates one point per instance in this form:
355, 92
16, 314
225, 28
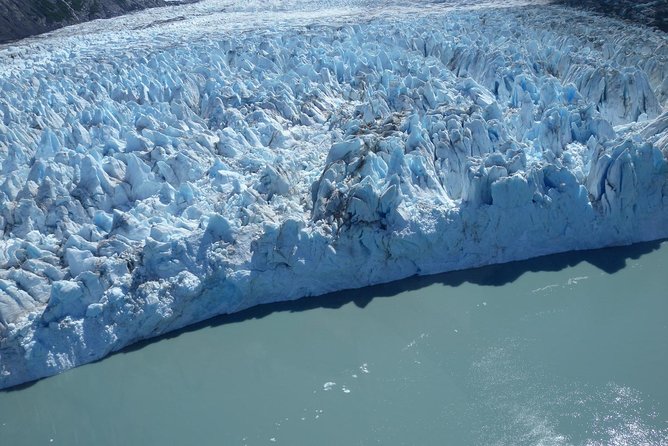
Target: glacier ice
163, 171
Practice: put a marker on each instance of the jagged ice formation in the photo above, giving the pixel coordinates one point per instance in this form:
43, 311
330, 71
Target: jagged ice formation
143, 190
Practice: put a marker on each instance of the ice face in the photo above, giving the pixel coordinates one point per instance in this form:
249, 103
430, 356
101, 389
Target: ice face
149, 185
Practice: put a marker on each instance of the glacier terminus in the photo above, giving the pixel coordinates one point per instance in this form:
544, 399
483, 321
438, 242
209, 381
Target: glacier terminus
179, 163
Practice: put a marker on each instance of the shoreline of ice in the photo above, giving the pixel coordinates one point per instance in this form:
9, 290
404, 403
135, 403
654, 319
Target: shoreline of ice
146, 190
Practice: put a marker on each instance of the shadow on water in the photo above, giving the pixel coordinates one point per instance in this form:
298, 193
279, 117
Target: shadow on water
20, 387
608, 260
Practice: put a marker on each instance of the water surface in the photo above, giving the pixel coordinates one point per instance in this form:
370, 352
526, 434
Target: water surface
563, 350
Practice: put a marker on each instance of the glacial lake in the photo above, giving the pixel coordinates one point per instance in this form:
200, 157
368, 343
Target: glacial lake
570, 349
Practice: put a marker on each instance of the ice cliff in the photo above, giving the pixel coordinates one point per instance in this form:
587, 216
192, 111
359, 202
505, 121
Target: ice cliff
148, 188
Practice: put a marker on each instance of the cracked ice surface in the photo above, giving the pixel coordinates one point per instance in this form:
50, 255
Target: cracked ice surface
184, 162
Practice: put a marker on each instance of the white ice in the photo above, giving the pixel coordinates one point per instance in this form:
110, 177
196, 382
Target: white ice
183, 162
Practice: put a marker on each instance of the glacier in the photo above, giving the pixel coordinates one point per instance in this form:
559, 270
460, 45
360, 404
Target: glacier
184, 162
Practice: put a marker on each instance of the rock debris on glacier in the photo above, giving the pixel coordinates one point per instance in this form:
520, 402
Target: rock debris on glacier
146, 189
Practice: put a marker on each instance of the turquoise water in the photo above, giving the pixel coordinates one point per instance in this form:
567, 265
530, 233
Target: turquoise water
563, 350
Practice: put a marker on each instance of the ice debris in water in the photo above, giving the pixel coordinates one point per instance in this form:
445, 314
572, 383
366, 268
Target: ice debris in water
146, 187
